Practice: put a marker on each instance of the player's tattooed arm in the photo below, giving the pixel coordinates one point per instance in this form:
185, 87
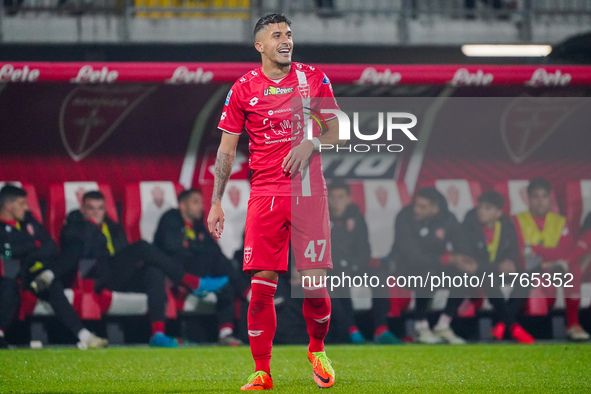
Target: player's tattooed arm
222, 171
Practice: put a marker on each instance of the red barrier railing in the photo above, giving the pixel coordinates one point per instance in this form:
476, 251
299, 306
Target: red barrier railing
367, 74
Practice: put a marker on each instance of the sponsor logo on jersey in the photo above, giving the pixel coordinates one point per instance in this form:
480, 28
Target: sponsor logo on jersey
253, 101
272, 91
285, 126
279, 111
223, 115
228, 97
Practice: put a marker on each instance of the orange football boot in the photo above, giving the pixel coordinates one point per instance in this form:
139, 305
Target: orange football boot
258, 381
323, 372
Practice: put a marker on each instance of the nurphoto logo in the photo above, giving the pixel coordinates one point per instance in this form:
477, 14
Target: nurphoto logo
395, 121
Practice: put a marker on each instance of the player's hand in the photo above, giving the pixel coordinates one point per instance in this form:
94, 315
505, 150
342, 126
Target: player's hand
297, 158
215, 220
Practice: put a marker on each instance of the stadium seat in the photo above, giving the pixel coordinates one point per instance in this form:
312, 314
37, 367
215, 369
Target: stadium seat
578, 203
67, 197
400, 299
358, 194
63, 199
382, 200
461, 195
145, 203
537, 303
85, 304
585, 296
515, 194
125, 304
31, 198
235, 204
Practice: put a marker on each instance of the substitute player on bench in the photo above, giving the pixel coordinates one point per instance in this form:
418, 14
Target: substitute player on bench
288, 194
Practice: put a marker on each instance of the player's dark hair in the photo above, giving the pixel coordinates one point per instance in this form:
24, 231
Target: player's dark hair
92, 195
268, 19
493, 198
10, 193
538, 184
185, 194
433, 195
339, 184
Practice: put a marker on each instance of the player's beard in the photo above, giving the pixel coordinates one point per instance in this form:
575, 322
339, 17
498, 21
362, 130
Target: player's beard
284, 64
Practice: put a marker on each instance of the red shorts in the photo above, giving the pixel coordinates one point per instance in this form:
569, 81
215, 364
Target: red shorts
272, 222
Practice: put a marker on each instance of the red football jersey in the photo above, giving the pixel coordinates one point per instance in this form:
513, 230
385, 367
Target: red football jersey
275, 115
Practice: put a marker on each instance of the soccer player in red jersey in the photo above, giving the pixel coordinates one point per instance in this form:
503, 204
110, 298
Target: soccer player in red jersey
288, 192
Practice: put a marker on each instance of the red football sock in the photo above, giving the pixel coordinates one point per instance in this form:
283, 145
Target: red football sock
522, 336
105, 298
157, 327
191, 281
380, 330
498, 331
353, 330
262, 322
572, 311
317, 315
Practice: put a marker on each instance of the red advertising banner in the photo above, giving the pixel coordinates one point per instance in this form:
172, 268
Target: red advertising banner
363, 74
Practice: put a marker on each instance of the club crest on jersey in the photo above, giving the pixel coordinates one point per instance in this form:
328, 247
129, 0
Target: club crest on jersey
304, 90
247, 254
272, 90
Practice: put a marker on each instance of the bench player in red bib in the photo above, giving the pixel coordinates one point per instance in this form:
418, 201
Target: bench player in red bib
288, 192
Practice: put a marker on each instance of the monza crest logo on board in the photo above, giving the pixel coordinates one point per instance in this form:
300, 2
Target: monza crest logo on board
89, 115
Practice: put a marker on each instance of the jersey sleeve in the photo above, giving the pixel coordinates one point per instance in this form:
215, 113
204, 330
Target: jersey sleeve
233, 116
326, 98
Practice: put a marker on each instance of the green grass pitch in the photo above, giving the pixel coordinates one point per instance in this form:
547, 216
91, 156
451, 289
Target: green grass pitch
359, 369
